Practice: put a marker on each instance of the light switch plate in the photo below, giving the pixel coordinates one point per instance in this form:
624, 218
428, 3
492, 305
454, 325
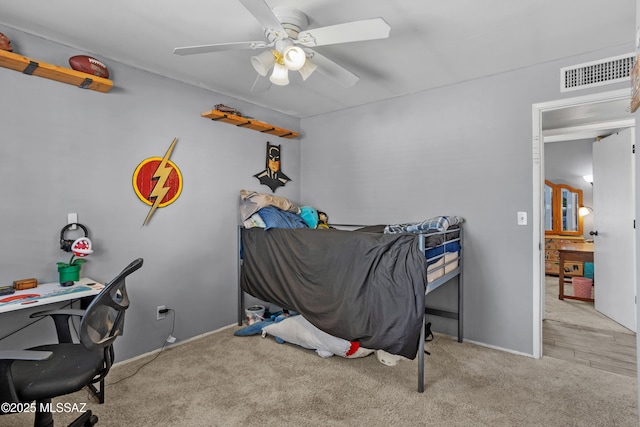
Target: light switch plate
522, 218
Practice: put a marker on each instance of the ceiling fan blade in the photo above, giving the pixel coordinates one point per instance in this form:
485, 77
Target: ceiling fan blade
220, 47
261, 84
335, 72
368, 29
264, 14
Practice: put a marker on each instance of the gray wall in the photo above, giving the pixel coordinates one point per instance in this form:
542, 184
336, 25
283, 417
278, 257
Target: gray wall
461, 150
65, 149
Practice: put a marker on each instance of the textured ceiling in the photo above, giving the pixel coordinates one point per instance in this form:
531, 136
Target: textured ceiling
431, 44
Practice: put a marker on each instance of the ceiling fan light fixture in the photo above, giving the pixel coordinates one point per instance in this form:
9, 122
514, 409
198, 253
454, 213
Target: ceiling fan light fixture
294, 57
280, 75
286, 34
263, 62
307, 69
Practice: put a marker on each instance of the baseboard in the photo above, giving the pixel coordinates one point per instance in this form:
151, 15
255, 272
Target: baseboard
494, 347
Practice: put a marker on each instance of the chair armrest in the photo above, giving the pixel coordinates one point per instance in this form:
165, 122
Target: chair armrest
24, 355
61, 312
61, 319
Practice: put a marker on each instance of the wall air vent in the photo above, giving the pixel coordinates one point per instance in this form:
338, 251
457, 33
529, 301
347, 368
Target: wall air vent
597, 73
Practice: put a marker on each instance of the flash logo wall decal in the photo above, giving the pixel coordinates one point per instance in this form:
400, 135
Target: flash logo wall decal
272, 176
158, 181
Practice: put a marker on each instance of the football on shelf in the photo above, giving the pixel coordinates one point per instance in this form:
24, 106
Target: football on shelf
5, 43
89, 65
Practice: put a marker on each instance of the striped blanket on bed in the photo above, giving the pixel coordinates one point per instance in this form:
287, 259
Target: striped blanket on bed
438, 223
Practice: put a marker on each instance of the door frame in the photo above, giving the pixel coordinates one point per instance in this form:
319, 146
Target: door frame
538, 208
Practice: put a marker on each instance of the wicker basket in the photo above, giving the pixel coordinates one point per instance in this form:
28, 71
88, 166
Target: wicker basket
582, 287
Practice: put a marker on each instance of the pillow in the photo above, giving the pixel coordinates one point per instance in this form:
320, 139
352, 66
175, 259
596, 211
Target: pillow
251, 202
254, 221
298, 330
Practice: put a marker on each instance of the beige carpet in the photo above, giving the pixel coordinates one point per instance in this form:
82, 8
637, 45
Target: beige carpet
223, 380
575, 312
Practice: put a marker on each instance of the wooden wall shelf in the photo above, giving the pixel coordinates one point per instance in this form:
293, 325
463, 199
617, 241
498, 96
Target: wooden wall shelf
53, 72
244, 122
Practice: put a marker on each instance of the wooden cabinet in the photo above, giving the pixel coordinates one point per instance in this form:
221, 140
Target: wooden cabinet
26, 65
552, 256
252, 124
561, 209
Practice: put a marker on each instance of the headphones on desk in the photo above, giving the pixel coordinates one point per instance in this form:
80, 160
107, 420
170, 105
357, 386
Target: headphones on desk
66, 244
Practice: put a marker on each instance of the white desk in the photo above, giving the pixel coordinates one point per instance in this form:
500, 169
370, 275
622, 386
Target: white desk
48, 293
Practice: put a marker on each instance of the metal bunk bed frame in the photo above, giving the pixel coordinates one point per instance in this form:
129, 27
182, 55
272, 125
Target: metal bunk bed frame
457, 315
457, 272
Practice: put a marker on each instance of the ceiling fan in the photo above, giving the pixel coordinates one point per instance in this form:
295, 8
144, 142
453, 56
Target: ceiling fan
289, 44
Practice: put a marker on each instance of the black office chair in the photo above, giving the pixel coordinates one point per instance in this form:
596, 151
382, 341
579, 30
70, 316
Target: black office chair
41, 373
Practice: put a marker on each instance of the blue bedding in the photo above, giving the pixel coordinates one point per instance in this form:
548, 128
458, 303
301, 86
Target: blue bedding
276, 218
439, 250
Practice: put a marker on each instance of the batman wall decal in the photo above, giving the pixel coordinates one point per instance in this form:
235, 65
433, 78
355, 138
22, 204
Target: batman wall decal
272, 176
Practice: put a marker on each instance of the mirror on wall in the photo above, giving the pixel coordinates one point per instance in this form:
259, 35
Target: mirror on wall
561, 206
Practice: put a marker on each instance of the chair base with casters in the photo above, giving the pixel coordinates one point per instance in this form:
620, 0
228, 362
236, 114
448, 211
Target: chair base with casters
47, 371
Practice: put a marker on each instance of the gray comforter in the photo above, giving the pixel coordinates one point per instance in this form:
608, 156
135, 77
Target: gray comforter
359, 286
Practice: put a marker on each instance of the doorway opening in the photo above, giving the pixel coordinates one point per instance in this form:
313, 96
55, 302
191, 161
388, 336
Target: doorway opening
582, 117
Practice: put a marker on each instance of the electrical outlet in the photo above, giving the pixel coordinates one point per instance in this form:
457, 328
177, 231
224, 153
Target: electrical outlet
160, 316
